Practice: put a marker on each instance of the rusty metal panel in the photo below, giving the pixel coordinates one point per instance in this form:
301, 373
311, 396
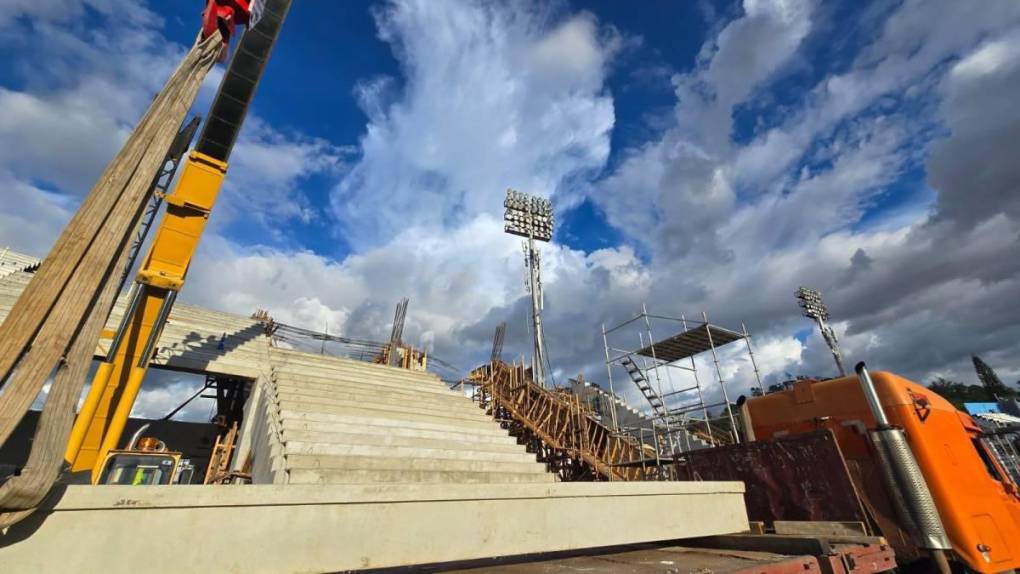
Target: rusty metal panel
858, 559
802, 477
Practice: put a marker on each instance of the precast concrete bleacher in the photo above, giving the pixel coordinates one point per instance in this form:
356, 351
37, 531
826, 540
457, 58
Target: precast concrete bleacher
326, 420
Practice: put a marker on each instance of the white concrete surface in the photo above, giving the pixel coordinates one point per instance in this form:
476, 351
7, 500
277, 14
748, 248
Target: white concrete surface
323, 420
289, 529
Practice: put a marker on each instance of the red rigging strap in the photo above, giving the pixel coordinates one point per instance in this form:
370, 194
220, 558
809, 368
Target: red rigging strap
223, 15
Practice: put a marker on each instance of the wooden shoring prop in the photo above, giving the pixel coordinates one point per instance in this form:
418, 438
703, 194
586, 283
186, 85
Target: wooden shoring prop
558, 428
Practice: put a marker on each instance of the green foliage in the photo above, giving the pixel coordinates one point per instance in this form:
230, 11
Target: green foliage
990, 380
959, 393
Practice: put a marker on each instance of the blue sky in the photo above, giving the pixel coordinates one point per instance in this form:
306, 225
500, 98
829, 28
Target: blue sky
325, 51
702, 156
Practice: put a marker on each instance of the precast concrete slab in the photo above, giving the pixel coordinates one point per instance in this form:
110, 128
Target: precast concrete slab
329, 528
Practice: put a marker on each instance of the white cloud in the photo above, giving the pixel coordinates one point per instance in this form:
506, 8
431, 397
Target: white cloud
31, 217
479, 113
65, 120
267, 167
748, 51
71, 116
164, 391
496, 96
736, 228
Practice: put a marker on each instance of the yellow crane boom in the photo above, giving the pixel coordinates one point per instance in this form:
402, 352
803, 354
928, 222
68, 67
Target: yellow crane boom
116, 384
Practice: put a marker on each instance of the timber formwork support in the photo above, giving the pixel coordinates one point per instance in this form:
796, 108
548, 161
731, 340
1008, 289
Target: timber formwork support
563, 434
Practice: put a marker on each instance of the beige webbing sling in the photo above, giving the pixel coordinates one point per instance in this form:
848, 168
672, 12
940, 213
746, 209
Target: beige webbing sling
54, 326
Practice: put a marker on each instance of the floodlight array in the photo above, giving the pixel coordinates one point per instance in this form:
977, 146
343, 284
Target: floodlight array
528, 215
811, 302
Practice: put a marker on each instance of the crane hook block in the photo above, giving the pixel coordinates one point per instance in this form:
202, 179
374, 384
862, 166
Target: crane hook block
223, 15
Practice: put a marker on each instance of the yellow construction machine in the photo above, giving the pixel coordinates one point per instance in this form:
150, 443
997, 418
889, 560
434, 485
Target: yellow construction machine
146, 461
100, 423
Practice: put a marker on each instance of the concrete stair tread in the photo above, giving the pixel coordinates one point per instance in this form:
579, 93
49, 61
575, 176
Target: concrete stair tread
311, 404
361, 462
453, 403
397, 441
367, 431
341, 379
336, 476
305, 362
320, 448
370, 392
338, 413
366, 378
319, 421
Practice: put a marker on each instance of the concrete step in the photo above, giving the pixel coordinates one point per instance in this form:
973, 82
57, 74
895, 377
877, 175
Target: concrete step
324, 476
357, 462
320, 448
366, 378
291, 426
319, 420
295, 361
397, 441
321, 381
345, 413
377, 395
377, 410
295, 357
323, 404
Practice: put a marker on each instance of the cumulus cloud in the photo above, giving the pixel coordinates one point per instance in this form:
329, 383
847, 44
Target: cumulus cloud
748, 51
70, 116
736, 227
63, 121
494, 96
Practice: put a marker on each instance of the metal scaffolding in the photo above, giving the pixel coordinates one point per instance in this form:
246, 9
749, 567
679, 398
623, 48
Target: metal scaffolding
680, 414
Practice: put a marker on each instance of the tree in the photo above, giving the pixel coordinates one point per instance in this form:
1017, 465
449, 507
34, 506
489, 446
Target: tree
959, 393
990, 380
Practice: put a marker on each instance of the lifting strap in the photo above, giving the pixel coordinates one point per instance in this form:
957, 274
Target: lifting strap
53, 328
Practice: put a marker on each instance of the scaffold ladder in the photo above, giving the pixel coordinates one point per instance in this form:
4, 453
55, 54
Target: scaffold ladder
643, 385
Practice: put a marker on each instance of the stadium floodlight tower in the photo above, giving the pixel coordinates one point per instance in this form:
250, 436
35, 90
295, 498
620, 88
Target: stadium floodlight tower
531, 217
814, 308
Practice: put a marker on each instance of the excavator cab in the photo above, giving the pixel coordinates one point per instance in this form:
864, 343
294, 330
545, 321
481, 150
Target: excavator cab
146, 462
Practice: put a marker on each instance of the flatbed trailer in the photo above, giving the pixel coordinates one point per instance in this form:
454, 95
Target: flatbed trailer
737, 554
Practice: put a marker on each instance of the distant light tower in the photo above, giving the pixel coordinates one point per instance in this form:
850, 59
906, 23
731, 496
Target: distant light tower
814, 308
531, 217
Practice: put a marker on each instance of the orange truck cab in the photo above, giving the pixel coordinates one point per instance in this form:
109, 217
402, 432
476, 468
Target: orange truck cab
977, 501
